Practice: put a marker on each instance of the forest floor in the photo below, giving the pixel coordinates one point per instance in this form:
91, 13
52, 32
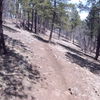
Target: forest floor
36, 70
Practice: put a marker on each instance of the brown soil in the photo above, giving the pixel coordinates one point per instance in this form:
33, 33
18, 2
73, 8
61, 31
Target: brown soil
36, 70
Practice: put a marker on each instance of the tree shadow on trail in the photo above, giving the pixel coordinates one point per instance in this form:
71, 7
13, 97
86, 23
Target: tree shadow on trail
10, 29
65, 40
43, 40
92, 66
75, 51
17, 76
75, 56
14, 43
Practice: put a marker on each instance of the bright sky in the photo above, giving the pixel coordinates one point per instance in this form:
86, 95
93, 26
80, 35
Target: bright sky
83, 14
77, 1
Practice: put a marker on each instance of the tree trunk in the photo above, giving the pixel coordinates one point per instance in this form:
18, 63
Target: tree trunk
38, 20
59, 33
23, 19
35, 21
73, 38
44, 27
94, 45
28, 21
2, 43
20, 18
53, 20
32, 19
16, 18
98, 45
47, 24
84, 42
40, 24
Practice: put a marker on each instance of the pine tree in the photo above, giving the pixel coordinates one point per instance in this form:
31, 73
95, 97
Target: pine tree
53, 21
62, 17
75, 20
93, 21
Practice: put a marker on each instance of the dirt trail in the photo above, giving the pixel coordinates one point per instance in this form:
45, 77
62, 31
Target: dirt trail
56, 88
64, 80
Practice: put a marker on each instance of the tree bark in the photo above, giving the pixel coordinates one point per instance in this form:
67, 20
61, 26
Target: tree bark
98, 45
35, 21
32, 19
47, 24
28, 20
59, 33
40, 24
44, 27
16, 18
73, 38
2, 43
53, 21
84, 42
20, 18
23, 19
37, 29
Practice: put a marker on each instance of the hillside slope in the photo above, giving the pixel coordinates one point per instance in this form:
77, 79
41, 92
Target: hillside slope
57, 71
